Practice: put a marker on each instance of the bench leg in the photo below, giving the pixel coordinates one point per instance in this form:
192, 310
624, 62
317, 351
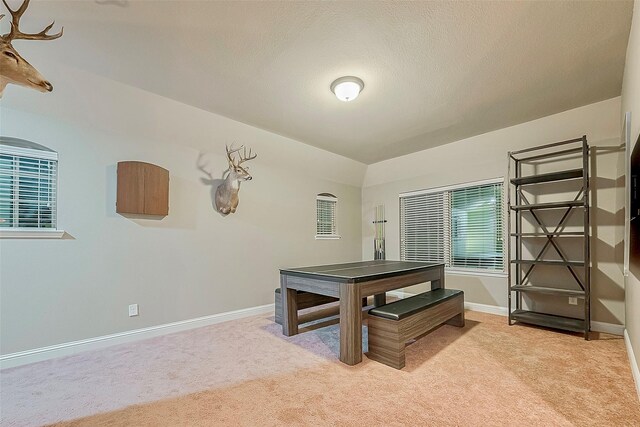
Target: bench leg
456, 320
379, 299
385, 344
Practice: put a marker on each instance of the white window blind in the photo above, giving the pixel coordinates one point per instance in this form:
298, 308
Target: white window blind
423, 227
476, 228
460, 227
28, 181
326, 207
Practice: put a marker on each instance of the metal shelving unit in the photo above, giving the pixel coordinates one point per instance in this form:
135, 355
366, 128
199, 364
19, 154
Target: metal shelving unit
525, 212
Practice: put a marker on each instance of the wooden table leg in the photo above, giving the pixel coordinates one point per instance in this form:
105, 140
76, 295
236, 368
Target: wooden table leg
350, 324
289, 308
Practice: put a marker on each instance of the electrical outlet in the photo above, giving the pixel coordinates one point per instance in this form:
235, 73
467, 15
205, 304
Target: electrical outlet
573, 300
133, 310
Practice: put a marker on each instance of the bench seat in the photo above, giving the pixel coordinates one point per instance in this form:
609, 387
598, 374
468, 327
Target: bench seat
409, 306
392, 325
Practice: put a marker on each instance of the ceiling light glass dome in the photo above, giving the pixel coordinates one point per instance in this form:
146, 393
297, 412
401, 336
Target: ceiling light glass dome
347, 88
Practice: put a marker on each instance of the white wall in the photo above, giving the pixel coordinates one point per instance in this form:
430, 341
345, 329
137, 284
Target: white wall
195, 262
192, 263
631, 102
485, 156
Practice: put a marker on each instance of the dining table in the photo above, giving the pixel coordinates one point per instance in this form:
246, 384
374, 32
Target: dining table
350, 283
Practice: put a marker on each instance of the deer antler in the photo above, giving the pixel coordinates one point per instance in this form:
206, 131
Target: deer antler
244, 157
230, 151
15, 32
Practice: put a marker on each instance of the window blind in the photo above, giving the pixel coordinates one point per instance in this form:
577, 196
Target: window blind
27, 189
476, 228
326, 216
460, 227
422, 229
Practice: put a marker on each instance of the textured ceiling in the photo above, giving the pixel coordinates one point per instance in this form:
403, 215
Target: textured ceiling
435, 72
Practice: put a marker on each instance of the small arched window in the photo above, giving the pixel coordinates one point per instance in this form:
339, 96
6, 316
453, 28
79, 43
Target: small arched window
326, 216
28, 185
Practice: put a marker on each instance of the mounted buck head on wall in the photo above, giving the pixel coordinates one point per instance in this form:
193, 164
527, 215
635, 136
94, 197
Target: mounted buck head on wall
13, 67
227, 192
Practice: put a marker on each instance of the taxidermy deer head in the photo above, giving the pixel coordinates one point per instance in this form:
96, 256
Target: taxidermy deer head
227, 192
13, 67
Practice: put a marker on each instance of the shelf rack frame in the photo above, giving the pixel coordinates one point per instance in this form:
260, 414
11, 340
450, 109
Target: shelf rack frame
517, 286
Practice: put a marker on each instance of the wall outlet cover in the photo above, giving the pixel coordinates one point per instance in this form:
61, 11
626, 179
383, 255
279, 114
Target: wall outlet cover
133, 310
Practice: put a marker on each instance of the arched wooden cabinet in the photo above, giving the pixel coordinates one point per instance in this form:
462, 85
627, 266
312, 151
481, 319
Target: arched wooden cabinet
143, 188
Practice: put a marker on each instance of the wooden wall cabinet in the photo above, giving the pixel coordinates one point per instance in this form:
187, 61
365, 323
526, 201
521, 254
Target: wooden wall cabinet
143, 189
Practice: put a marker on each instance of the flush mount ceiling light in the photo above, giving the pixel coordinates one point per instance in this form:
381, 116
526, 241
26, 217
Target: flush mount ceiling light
347, 88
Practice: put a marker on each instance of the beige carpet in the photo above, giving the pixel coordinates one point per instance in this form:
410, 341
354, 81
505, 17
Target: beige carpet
487, 374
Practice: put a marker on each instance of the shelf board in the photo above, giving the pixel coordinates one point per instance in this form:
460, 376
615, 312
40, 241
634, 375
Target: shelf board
547, 155
541, 234
552, 205
549, 320
549, 262
548, 290
548, 177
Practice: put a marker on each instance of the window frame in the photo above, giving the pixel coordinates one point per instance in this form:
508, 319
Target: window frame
7, 147
327, 197
450, 188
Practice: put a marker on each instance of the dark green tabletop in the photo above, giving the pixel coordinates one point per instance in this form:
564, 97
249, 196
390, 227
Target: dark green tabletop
359, 271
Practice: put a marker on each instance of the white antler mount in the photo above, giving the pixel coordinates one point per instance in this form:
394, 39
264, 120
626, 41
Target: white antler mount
227, 192
13, 67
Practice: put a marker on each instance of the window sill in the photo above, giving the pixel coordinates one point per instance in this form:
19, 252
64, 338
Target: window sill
327, 237
458, 272
31, 234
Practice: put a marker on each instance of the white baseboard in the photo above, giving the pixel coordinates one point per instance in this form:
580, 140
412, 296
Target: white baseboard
633, 361
485, 308
608, 328
66, 349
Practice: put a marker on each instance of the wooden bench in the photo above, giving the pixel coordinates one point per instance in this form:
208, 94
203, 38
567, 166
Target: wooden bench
392, 325
307, 300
